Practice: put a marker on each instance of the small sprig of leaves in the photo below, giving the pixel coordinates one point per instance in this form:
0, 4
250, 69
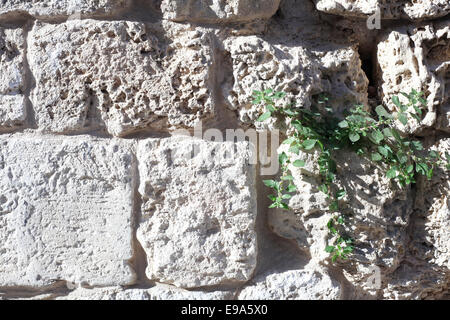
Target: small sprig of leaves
373, 137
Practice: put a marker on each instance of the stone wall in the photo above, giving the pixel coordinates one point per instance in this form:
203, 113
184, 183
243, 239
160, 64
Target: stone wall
99, 199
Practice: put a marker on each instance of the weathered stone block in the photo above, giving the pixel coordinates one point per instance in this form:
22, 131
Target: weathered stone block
124, 74
55, 8
217, 11
292, 285
65, 211
198, 225
418, 58
12, 78
390, 9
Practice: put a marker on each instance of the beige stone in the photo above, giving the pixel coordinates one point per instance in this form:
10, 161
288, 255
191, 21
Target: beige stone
122, 74
65, 211
198, 225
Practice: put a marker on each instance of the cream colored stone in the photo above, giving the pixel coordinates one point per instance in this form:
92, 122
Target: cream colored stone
292, 285
12, 78
217, 11
418, 58
65, 211
198, 225
388, 9
123, 74
294, 67
158, 292
55, 8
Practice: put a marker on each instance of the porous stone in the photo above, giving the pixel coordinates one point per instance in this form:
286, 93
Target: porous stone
65, 211
199, 210
55, 8
157, 292
292, 285
217, 11
12, 78
425, 271
378, 215
387, 9
418, 58
124, 74
300, 68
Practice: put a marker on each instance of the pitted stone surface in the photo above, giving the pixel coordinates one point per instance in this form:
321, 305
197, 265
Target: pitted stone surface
292, 285
124, 74
418, 58
54, 8
158, 292
217, 11
388, 9
12, 78
65, 211
198, 225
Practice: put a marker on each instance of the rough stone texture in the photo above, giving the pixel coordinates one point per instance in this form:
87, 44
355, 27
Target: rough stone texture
425, 271
53, 8
389, 9
155, 293
218, 11
380, 216
65, 211
292, 285
12, 78
198, 225
302, 65
120, 72
418, 58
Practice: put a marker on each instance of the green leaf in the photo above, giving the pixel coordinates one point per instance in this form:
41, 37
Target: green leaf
283, 158
330, 249
387, 132
264, 116
309, 144
291, 188
299, 163
340, 194
343, 124
409, 168
396, 101
354, 137
403, 118
271, 183
392, 173
422, 168
381, 111
271, 108
286, 196
384, 151
376, 136
334, 206
417, 145
376, 156
287, 178
272, 197
323, 188
294, 149
289, 140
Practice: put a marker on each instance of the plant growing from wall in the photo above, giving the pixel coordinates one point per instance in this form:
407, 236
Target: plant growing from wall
371, 136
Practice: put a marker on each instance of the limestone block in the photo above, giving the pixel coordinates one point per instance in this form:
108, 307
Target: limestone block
157, 292
388, 9
292, 285
65, 211
124, 74
12, 78
199, 210
217, 11
56, 8
418, 58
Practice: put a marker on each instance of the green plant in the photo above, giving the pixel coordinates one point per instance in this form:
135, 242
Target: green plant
374, 137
